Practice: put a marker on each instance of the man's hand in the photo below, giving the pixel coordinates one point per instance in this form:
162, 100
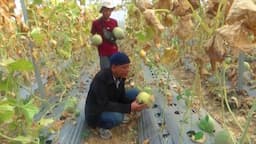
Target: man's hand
135, 106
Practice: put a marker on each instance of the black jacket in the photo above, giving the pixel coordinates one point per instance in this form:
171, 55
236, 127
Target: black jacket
104, 96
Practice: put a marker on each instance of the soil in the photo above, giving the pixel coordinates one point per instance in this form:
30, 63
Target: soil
212, 104
125, 134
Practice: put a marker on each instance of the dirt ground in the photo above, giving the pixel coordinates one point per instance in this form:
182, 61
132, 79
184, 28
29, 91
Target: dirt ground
125, 134
213, 106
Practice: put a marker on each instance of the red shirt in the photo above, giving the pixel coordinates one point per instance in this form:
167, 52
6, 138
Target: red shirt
106, 48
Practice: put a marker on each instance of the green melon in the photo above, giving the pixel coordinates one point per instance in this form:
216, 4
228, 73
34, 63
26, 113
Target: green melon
145, 98
37, 35
207, 124
118, 33
247, 66
96, 40
223, 137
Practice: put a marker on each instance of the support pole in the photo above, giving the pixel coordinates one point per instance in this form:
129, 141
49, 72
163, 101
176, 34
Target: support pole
36, 69
240, 71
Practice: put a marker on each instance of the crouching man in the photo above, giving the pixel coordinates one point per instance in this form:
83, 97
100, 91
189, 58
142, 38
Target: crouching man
107, 100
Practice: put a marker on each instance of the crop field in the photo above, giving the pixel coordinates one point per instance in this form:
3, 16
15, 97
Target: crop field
196, 57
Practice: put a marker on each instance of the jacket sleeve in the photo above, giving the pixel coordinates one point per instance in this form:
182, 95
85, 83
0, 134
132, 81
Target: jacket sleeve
124, 98
103, 101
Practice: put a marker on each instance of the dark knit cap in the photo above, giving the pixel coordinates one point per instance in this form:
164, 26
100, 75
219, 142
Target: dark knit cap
119, 58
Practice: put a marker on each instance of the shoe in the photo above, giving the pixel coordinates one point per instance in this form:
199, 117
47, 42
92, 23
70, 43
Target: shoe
105, 133
126, 119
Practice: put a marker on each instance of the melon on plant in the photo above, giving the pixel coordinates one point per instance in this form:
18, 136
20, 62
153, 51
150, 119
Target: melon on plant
147, 89
223, 137
70, 105
37, 35
118, 33
207, 124
228, 60
145, 98
247, 66
143, 53
96, 39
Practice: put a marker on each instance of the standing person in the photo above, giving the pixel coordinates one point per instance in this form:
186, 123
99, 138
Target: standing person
107, 100
104, 27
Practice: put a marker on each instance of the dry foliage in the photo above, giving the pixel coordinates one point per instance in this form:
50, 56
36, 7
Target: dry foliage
215, 49
243, 11
213, 5
164, 4
184, 29
153, 20
168, 20
195, 3
144, 4
238, 37
169, 55
182, 8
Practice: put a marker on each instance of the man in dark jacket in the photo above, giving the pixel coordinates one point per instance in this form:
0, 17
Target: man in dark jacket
107, 101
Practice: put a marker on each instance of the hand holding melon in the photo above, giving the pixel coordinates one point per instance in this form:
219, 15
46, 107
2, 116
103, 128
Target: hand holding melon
145, 98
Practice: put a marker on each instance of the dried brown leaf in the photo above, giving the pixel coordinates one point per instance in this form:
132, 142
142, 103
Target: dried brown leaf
238, 37
195, 3
212, 7
184, 29
144, 4
168, 20
240, 10
169, 55
216, 49
153, 20
164, 4
182, 8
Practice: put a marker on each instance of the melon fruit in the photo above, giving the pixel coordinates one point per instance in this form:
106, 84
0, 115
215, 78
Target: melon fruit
207, 124
145, 98
118, 33
223, 137
96, 39
247, 66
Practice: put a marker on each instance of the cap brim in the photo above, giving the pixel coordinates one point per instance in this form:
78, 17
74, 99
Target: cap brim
106, 7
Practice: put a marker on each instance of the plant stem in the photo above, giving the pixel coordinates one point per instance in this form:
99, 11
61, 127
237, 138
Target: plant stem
162, 10
6, 137
227, 104
249, 119
13, 139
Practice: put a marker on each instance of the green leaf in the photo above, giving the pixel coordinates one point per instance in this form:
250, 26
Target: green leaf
37, 1
37, 35
6, 112
30, 110
199, 135
187, 92
4, 85
179, 97
140, 36
20, 65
